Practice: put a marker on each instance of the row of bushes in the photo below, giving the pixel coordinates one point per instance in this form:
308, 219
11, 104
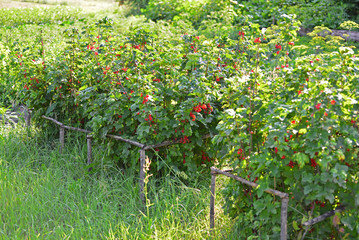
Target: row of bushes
276, 111
265, 13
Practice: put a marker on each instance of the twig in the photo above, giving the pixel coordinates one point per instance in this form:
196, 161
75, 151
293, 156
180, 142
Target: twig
87, 131
62, 139
213, 193
170, 142
307, 227
89, 150
249, 183
142, 174
324, 216
283, 218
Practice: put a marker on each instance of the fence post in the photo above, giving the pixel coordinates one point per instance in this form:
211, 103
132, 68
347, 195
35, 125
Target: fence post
89, 150
62, 138
142, 174
213, 193
283, 216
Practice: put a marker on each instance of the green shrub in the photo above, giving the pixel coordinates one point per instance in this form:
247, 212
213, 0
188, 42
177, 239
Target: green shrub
49, 15
320, 13
263, 12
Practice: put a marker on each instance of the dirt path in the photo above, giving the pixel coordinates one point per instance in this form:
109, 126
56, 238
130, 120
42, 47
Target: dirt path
17, 4
86, 5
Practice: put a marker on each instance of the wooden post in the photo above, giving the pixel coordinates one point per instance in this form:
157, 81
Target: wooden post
283, 216
89, 150
142, 174
213, 194
62, 138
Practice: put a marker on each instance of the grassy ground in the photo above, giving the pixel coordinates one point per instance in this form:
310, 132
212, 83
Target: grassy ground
45, 195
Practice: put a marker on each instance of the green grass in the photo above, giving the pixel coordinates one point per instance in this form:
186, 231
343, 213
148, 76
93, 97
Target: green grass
47, 195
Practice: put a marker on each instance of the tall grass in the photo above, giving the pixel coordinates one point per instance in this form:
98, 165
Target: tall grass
45, 195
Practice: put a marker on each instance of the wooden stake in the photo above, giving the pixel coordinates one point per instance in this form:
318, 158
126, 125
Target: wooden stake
283, 218
282, 195
213, 194
89, 151
142, 174
62, 138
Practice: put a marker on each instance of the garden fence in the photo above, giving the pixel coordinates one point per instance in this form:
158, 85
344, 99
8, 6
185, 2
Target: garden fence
214, 172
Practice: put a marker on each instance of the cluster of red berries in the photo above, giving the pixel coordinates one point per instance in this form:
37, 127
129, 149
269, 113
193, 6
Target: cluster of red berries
282, 66
219, 78
192, 116
205, 157
279, 47
240, 153
322, 204
183, 121
318, 106
206, 108
105, 70
91, 46
145, 98
287, 140
313, 163
149, 118
139, 46
291, 164
194, 49
184, 140
181, 130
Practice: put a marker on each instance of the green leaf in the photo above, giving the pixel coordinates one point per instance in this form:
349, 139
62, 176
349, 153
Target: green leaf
295, 226
51, 108
303, 131
307, 189
301, 159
